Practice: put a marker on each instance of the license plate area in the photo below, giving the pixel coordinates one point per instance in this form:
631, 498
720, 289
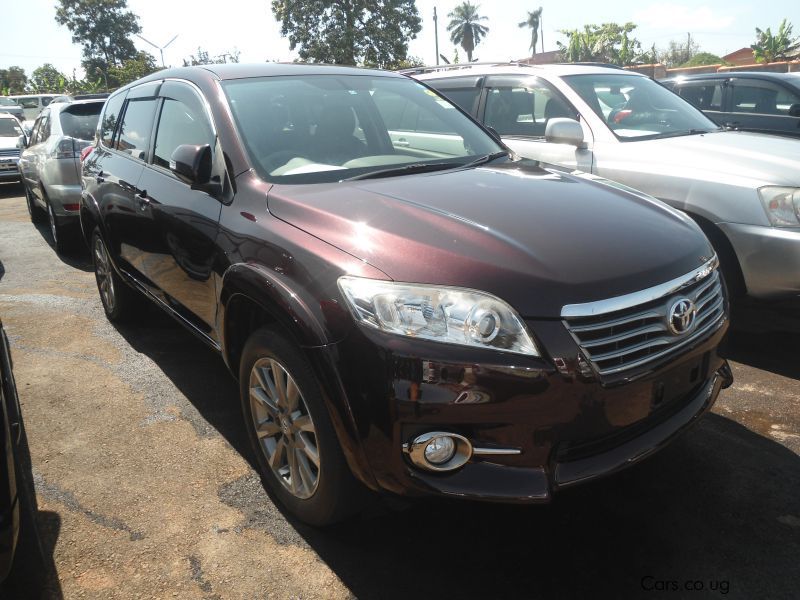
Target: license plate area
680, 381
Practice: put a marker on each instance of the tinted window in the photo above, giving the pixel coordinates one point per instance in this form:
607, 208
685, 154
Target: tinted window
44, 129
762, 97
10, 128
524, 110
137, 123
46, 100
28, 102
110, 116
179, 124
80, 120
705, 95
465, 98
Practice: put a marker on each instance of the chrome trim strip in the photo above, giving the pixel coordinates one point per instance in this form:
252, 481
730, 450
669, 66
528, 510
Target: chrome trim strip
601, 307
495, 451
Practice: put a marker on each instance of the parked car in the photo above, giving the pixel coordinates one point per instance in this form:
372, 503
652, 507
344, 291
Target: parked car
17, 494
33, 104
12, 139
7, 105
743, 189
421, 314
50, 166
760, 102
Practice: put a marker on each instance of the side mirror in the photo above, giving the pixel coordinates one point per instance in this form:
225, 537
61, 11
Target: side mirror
22, 142
192, 164
794, 110
564, 131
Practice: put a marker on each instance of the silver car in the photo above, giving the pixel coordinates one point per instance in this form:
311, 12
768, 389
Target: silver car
50, 166
7, 105
743, 189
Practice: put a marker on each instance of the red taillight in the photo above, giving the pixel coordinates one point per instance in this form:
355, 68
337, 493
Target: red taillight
72, 207
86, 152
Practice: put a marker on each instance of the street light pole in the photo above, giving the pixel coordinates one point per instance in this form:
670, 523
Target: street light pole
436, 32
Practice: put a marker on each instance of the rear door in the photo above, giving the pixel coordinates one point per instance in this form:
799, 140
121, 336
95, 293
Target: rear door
764, 106
180, 223
519, 107
36, 153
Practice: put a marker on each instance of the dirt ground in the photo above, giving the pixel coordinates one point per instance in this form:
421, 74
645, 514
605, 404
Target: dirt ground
146, 489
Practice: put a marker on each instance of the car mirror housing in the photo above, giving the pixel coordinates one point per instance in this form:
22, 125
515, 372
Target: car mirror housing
22, 142
191, 163
564, 131
794, 110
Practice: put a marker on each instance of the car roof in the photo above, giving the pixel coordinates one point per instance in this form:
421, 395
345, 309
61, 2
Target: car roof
244, 71
60, 106
558, 69
791, 77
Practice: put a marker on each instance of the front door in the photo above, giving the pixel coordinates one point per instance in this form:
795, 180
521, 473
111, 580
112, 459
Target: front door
764, 106
180, 222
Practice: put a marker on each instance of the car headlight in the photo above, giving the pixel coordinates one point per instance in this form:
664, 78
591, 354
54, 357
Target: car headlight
782, 205
440, 313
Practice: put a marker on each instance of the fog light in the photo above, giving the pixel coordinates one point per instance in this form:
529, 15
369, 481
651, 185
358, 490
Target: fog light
439, 450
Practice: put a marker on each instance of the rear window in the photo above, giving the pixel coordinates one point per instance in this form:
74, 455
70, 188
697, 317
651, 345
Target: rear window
80, 120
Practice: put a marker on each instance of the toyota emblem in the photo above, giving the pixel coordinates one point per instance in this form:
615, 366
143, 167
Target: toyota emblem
682, 316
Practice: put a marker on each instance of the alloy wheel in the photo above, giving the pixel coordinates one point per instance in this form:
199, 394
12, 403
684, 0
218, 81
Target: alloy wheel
286, 433
103, 274
52, 218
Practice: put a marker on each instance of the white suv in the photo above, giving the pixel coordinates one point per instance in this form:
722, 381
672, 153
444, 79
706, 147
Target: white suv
743, 189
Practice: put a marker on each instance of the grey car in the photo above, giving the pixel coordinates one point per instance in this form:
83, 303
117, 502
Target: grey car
11, 138
743, 189
50, 166
748, 101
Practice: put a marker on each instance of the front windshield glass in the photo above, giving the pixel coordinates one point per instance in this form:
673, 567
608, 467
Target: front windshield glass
10, 128
636, 108
7, 102
325, 128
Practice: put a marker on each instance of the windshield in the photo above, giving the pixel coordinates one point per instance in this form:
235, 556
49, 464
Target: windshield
80, 120
10, 128
324, 128
637, 108
7, 102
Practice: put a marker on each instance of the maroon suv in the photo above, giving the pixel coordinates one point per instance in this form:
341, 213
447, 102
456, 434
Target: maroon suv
409, 308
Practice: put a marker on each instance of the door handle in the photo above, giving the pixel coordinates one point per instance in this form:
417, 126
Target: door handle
144, 201
402, 142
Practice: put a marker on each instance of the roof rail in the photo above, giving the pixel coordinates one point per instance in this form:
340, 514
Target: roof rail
432, 68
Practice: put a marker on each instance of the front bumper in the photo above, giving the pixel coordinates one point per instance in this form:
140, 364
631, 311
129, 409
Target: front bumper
9, 169
568, 426
769, 258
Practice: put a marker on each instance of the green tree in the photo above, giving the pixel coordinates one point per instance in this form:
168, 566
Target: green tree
770, 48
46, 79
103, 28
133, 69
607, 43
465, 28
203, 58
703, 58
533, 21
678, 53
349, 32
13, 80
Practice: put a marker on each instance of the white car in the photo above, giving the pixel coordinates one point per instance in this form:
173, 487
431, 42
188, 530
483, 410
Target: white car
743, 189
11, 140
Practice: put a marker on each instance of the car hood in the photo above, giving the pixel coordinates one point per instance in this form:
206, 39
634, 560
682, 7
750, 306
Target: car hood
7, 143
725, 156
537, 238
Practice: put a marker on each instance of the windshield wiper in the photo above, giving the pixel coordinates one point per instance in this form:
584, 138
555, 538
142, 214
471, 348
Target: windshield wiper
487, 158
685, 132
404, 170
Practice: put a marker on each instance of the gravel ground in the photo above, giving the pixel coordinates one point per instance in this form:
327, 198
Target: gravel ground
146, 489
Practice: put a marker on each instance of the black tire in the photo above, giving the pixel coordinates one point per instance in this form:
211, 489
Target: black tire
336, 494
63, 242
36, 214
121, 302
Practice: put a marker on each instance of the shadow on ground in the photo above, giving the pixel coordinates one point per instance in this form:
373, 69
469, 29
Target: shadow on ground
718, 508
11, 189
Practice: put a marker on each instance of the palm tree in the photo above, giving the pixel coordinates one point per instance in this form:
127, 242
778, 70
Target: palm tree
465, 28
533, 21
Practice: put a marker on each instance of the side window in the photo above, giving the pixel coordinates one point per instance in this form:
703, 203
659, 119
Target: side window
46, 100
137, 124
28, 102
44, 128
705, 95
466, 98
35, 132
762, 97
108, 122
524, 110
180, 123
788, 102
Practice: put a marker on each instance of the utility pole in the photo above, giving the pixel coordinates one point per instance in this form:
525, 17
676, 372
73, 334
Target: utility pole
541, 30
436, 32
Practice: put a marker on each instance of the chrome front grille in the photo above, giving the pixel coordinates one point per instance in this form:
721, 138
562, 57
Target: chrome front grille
631, 331
13, 152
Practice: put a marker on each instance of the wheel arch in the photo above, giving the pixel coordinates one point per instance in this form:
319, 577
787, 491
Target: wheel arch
729, 260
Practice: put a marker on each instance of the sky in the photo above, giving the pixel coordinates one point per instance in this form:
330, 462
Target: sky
29, 35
